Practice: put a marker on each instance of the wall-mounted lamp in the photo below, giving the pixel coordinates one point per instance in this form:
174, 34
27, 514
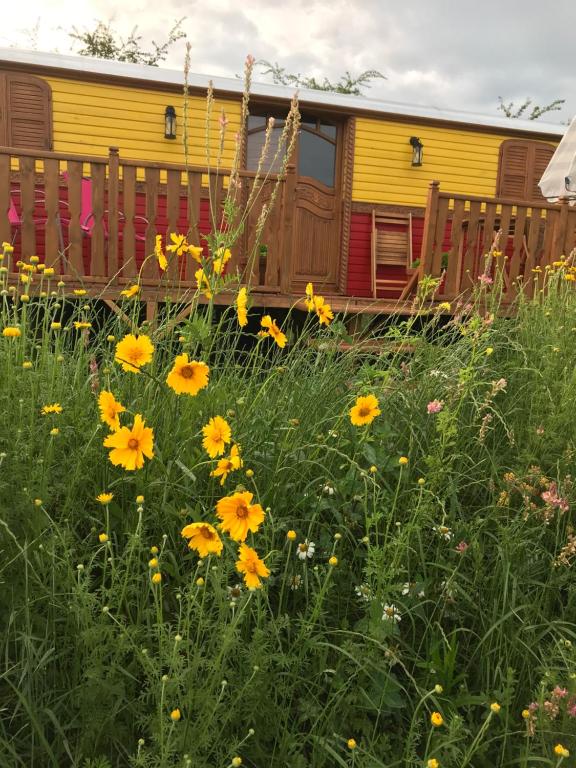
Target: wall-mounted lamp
170, 123
417, 150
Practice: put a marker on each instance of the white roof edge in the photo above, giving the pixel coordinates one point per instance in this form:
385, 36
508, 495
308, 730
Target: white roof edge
235, 85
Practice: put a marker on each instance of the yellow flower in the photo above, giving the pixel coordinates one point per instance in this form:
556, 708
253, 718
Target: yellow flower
323, 310
55, 326
49, 271
236, 762
53, 408
561, 751
111, 338
373, 469
291, 535
203, 283
309, 297
432, 763
241, 307
239, 515
351, 744
81, 325
25, 298
495, 707
154, 550
128, 293
188, 376
79, 292
489, 351
217, 434
156, 578
103, 538
223, 256
38, 502
251, 566
7, 247
140, 499
204, 538
179, 244
444, 306
54, 431
364, 411
24, 279
227, 465
333, 561
272, 330
104, 498
200, 582
526, 714
175, 715
403, 460
196, 252
159, 253
109, 409
10, 332
436, 719
133, 352
153, 562
249, 473
438, 689
27, 365
130, 445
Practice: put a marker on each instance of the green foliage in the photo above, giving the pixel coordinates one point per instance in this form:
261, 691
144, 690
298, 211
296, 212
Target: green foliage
103, 42
514, 111
347, 83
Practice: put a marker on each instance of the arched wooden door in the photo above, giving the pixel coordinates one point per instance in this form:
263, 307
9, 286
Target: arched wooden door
317, 215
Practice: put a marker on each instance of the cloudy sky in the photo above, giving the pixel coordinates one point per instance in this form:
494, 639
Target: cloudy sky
461, 55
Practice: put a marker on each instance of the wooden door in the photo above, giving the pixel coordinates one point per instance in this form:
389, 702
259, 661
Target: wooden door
25, 111
317, 215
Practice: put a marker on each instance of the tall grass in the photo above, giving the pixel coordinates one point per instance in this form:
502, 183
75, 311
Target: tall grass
452, 587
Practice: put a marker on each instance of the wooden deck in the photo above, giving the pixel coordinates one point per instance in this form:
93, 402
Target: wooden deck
95, 221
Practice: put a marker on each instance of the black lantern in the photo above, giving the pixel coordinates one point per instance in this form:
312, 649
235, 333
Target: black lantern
170, 123
417, 150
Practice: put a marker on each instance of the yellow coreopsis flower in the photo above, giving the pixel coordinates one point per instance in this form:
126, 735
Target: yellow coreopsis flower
310, 297
323, 310
53, 408
159, 253
104, 498
80, 325
79, 292
203, 538
223, 256
132, 352
128, 293
131, 444
561, 751
179, 244
239, 515
196, 252
227, 465
175, 715
203, 283
11, 332
436, 719
241, 307
364, 411
188, 376
272, 330
217, 434
251, 566
110, 409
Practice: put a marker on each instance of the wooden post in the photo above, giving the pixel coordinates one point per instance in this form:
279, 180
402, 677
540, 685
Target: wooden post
560, 228
113, 175
426, 253
288, 209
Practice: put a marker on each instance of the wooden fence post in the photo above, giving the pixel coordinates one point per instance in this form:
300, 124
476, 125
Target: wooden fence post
288, 206
113, 178
559, 236
426, 253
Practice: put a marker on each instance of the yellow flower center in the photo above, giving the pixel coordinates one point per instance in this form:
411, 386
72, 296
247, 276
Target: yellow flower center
133, 443
364, 410
206, 533
303, 547
251, 566
242, 511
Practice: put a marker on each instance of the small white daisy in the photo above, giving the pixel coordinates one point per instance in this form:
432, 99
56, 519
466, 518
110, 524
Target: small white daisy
407, 588
443, 531
391, 613
328, 490
364, 592
305, 549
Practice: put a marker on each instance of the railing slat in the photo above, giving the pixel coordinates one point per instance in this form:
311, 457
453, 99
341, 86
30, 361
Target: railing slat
194, 194
129, 211
470, 256
172, 216
75, 263
113, 213
517, 248
454, 272
152, 178
53, 237
98, 175
27, 197
5, 228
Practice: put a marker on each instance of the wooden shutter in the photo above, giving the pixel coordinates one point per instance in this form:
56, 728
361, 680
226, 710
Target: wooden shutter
521, 165
25, 111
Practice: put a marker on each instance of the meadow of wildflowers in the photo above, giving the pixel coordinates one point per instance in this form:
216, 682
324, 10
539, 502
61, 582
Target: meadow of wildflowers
228, 542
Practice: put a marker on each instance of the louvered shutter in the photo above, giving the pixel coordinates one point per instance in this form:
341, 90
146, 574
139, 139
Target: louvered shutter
542, 156
26, 112
521, 165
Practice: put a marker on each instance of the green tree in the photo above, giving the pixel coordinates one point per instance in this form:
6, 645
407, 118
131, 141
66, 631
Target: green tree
346, 84
103, 42
511, 110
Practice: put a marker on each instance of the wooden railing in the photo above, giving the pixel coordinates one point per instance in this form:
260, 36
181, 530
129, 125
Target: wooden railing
95, 219
459, 231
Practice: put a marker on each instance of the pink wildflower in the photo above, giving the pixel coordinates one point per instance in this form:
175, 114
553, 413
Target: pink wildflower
485, 279
559, 693
552, 498
462, 546
571, 708
435, 406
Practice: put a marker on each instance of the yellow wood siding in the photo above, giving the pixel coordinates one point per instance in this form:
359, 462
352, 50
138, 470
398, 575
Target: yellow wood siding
91, 117
464, 162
